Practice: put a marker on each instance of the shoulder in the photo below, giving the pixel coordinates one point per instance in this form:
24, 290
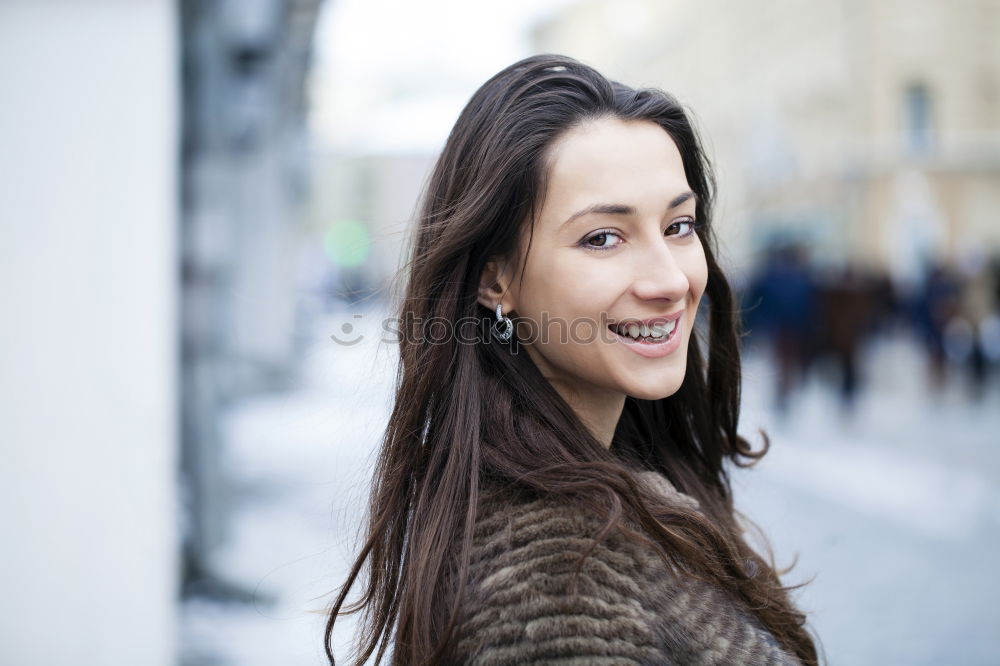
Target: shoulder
525, 604
661, 485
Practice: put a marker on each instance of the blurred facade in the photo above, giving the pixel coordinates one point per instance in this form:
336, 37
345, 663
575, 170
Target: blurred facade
88, 392
243, 180
870, 130
376, 190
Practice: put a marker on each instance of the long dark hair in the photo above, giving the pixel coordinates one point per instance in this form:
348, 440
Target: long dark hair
464, 412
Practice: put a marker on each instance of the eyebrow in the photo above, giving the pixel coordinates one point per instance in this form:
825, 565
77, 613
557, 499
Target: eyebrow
622, 209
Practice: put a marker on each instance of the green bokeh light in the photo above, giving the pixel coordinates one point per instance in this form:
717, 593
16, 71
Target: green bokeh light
347, 243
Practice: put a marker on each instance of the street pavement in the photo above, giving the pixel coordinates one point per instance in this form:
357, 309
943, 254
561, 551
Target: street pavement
895, 511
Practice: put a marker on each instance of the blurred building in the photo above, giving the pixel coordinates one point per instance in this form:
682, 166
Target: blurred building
243, 180
88, 393
372, 170
377, 191
867, 129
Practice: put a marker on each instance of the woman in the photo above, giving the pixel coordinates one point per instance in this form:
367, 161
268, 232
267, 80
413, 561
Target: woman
551, 486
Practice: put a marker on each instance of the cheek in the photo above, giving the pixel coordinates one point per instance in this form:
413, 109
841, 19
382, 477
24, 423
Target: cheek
566, 284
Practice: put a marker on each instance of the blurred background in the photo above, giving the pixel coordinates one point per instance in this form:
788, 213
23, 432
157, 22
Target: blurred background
203, 205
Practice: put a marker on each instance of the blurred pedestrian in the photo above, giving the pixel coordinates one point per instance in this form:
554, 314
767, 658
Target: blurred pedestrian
846, 316
782, 300
976, 307
935, 305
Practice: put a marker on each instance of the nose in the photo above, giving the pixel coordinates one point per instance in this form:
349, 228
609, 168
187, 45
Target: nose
658, 273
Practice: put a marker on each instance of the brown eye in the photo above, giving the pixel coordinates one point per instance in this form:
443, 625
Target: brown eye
599, 241
682, 229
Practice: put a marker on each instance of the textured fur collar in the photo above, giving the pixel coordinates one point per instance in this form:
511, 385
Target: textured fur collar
628, 607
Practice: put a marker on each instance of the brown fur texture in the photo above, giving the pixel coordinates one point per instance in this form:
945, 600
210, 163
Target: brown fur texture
630, 606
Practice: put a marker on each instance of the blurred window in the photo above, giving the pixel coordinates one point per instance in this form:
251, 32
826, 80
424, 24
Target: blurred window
918, 119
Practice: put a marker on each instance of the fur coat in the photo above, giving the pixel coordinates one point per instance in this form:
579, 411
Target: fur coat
630, 607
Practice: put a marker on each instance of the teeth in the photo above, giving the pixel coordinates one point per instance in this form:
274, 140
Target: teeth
664, 329
655, 331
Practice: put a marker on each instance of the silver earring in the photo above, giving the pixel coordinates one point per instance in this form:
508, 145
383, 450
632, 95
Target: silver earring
508, 325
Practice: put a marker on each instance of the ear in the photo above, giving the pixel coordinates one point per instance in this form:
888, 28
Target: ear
494, 286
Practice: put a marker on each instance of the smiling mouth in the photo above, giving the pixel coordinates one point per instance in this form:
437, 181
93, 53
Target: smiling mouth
658, 333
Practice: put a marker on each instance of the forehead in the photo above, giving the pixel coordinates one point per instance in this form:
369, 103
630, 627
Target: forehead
609, 160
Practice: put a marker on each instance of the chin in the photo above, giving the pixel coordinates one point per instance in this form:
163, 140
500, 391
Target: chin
649, 392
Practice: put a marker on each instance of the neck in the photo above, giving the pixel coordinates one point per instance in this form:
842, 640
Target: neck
598, 410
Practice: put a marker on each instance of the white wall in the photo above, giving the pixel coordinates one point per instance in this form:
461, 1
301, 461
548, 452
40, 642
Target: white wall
88, 140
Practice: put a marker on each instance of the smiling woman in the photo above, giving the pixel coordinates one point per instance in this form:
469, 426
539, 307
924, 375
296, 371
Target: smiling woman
636, 264
543, 496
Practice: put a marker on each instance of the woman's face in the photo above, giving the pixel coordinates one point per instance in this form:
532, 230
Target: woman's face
614, 243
